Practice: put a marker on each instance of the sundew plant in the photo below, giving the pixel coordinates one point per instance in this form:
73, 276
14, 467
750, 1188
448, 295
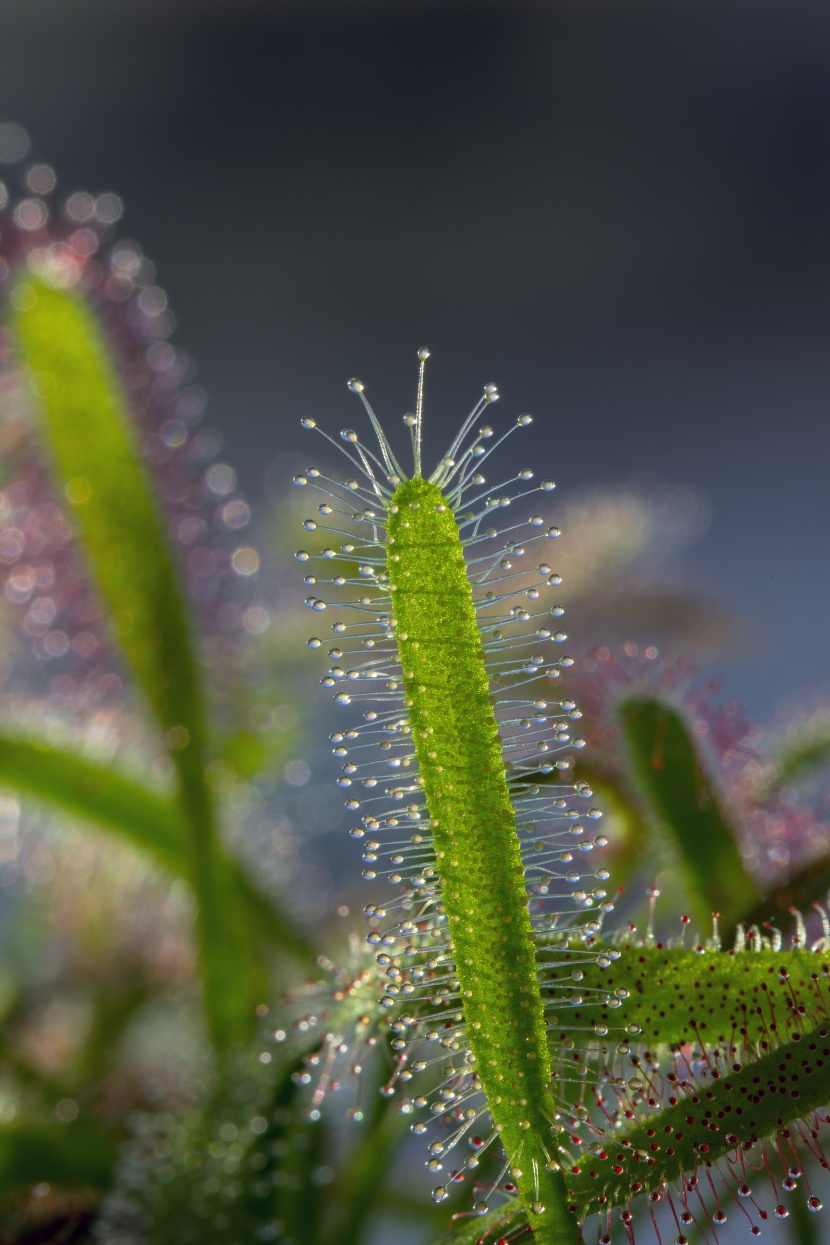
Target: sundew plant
464, 823
570, 1072
595, 1066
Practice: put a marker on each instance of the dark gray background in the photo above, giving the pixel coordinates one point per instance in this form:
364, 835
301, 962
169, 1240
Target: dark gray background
617, 209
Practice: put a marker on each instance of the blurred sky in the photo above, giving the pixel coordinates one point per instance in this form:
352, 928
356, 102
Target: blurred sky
617, 209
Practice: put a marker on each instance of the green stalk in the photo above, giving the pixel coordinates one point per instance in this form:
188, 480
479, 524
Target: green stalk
458, 750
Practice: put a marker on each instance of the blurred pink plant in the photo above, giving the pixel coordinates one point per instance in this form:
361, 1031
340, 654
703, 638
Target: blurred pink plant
70, 243
779, 828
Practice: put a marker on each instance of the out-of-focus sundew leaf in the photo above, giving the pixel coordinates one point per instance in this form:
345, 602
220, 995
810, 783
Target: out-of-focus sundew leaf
96, 793
809, 885
303, 1144
617, 802
365, 1178
254, 1137
94, 452
76, 1155
797, 758
150, 821
806, 1228
245, 752
88, 431
681, 793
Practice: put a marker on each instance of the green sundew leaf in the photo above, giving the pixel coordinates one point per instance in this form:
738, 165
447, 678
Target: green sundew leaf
676, 996
76, 1155
95, 456
462, 772
681, 793
499, 1224
152, 822
718, 1117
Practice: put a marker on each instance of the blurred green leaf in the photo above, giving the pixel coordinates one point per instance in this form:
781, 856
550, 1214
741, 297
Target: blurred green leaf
97, 793
248, 1160
809, 885
681, 793
295, 1147
796, 759
245, 752
150, 821
95, 455
806, 1229
364, 1180
76, 1155
629, 845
